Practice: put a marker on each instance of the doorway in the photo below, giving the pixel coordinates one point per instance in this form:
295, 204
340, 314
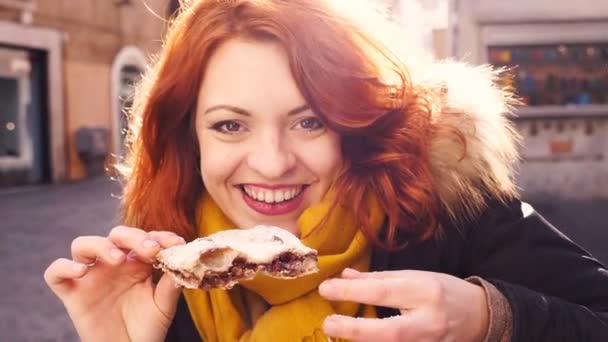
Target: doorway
24, 136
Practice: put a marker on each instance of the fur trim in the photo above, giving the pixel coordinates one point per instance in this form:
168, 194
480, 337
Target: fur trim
473, 103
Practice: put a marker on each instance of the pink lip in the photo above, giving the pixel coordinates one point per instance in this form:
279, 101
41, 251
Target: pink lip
274, 208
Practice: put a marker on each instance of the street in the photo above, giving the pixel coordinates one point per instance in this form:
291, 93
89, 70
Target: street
39, 223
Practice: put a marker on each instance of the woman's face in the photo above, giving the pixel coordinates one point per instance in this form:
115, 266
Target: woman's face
265, 155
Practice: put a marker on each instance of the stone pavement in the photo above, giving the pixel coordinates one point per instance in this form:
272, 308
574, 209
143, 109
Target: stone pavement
38, 224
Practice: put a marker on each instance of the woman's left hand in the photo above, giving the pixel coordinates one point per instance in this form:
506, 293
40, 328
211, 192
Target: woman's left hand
434, 307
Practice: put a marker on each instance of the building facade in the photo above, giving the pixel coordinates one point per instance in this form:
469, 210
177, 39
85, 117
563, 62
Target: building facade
557, 55
425, 22
66, 66
69, 65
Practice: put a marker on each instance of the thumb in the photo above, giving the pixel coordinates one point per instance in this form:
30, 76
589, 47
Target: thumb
166, 294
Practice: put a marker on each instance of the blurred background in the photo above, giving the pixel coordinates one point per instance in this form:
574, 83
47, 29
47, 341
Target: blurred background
66, 73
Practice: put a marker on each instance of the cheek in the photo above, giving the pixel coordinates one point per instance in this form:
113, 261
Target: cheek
218, 162
324, 157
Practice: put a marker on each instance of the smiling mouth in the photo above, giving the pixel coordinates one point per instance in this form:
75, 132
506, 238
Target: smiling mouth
272, 196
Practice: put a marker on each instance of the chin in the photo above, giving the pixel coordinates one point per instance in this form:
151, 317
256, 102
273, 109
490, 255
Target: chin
290, 225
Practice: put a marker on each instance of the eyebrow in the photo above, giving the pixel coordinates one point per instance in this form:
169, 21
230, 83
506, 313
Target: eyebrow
244, 112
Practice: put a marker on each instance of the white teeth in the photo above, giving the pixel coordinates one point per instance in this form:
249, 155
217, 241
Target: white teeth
272, 196
268, 197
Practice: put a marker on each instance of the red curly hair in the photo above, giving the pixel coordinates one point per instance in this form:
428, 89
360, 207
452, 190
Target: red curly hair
361, 90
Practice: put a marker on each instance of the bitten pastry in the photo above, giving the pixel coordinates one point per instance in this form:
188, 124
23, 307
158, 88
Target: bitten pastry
223, 259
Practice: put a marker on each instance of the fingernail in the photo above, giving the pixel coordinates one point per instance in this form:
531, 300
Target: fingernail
76, 267
180, 240
350, 272
116, 254
329, 325
150, 244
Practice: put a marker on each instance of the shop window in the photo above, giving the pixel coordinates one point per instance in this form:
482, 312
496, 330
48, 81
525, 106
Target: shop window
127, 71
172, 7
129, 77
560, 74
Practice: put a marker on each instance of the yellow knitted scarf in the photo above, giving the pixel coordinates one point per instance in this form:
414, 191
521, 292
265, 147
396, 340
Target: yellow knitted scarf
268, 309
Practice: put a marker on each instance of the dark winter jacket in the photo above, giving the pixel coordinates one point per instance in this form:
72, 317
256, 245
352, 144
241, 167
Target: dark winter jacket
556, 290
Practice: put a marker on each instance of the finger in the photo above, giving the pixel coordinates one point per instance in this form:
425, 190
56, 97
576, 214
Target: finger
366, 329
61, 272
89, 249
166, 294
137, 241
350, 273
167, 239
401, 293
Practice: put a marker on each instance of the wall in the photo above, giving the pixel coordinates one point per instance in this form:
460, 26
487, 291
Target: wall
424, 23
563, 158
94, 32
469, 17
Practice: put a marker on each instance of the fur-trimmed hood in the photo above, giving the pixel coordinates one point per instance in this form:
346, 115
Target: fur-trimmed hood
472, 102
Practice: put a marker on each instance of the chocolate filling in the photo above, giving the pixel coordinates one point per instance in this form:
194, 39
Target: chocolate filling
287, 264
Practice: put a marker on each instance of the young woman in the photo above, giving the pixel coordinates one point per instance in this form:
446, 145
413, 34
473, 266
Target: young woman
300, 114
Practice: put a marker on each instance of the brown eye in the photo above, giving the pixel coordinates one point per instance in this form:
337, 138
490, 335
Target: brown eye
229, 127
310, 124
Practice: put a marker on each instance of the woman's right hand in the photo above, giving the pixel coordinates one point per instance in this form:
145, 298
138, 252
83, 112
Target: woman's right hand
108, 290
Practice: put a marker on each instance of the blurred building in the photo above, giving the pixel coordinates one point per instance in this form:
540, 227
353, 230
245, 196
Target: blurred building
65, 66
557, 52
424, 24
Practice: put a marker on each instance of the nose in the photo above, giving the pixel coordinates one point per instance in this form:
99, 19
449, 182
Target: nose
271, 156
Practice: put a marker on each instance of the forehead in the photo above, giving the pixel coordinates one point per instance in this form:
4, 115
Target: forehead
252, 74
